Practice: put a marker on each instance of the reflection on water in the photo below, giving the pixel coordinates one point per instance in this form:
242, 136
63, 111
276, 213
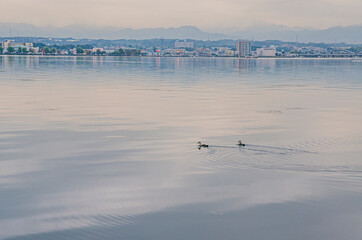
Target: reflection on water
105, 148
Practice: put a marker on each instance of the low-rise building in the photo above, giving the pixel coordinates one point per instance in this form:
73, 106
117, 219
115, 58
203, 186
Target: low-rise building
184, 44
266, 52
29, 47
174, 52
95, 50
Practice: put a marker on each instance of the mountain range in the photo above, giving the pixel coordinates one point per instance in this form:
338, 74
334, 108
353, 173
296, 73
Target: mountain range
347, 34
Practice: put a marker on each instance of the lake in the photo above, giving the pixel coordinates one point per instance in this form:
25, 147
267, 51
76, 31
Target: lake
106, 148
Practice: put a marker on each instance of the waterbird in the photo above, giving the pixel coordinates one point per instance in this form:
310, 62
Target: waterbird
241, 144
202, 145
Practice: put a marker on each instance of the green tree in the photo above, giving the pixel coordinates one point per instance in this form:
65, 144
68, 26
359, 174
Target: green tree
31, 50
46, 50
98, 52
24, 51
1, 50
80, 50
11, 49
127, 52
119, 52
53, 50
20, 50
132, 52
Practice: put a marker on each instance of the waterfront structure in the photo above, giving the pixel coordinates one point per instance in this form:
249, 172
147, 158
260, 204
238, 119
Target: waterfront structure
174, 52
184, 44
63, 47
99, 49
243, 48
224, 52
266, 52
10, 43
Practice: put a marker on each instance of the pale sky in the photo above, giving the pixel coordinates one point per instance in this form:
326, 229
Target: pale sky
205, 14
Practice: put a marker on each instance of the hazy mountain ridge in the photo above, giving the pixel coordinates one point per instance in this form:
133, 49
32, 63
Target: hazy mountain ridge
348, 34
184, 32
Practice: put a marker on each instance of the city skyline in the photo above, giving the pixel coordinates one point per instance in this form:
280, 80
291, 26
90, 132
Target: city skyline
214, 15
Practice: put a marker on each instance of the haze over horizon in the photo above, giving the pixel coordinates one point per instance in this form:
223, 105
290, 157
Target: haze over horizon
215, 15
350, 34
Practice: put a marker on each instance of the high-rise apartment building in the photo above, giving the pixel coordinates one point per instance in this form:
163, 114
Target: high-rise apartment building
243, 48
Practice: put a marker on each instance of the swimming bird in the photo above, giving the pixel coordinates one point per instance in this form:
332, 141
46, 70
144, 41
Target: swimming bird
202, 145
241, 144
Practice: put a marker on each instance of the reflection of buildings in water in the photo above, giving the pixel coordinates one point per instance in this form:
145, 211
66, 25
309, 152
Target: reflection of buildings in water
180, 63
227, 63
31, 61
177, 63
266, 63
75, 59
13, 62
86, 61
158, 62
98, 61
244, 64
2, 63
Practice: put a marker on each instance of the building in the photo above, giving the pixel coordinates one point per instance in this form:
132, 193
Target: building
10, 43
95, 49
184, 44
224, 52
266, 52
174, 52
243, 48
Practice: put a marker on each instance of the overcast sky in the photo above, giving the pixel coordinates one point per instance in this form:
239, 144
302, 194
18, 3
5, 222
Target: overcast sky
206, 14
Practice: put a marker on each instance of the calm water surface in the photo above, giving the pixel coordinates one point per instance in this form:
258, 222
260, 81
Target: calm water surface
105, 148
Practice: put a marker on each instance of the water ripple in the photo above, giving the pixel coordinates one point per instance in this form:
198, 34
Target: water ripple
298, 157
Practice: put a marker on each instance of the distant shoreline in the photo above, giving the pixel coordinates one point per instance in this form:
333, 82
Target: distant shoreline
224, 57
